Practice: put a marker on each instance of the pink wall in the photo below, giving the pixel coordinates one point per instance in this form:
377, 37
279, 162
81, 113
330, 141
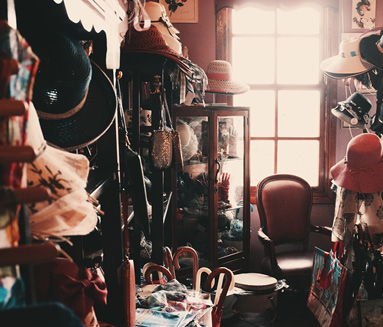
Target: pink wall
200, 37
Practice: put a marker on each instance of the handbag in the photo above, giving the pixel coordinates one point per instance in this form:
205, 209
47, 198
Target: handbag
166, 143
326, 295
177, 159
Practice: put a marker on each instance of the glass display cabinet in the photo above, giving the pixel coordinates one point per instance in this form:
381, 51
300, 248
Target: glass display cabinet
211, 197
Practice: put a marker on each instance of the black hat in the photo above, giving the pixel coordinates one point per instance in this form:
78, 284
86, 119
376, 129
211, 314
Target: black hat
354, 110
74, 98
371, 50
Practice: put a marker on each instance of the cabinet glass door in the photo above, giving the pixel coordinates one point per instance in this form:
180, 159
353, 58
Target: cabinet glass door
193, 225
230, 184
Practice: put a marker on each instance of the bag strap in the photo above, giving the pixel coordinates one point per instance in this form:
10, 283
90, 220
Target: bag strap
165, 105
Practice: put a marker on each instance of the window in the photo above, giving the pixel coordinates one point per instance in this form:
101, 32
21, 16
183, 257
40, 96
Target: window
278, 55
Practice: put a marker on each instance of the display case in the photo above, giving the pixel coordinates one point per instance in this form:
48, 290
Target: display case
211, 197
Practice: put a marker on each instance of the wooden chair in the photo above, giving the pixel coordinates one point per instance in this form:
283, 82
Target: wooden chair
284, 204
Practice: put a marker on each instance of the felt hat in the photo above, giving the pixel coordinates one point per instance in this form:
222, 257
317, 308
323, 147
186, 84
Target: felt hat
348, 61
220, 79
158, 16
152, 41
75, 100
67, 211
362, 168
354, 110
371, 50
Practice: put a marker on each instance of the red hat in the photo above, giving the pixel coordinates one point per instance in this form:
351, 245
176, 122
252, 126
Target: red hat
362, 168
152, 41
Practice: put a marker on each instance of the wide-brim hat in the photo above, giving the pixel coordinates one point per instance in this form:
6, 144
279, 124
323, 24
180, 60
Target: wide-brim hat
371, 50
354, 110
151, 41
362, 168
158, 16
220, 79
348, 61
87, 124
67, 211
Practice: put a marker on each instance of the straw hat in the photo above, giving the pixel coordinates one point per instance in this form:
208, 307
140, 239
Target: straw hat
348, 61
152, 41
354, 110
362, 168
219, 73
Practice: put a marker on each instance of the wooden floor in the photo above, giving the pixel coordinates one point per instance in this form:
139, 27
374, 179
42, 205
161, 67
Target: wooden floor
291, 312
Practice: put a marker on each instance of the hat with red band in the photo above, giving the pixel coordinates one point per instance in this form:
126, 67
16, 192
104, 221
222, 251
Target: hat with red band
219, 74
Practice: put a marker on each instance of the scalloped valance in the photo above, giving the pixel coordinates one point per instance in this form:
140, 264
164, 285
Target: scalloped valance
101, 15
272, 3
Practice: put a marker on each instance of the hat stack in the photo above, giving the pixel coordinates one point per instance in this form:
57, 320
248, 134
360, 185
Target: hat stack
220, 79
348, 62
159, 18
152, 41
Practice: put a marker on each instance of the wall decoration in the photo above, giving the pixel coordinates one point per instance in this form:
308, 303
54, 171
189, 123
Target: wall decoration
363, 14
181, 11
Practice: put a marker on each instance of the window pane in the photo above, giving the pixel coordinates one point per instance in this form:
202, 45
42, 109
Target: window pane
298, 60
253, 59
260, 21
299, 114
262, 160
262, 111
299, 158
298, 21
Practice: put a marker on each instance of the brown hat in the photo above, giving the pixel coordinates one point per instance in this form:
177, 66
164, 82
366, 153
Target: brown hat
152, 41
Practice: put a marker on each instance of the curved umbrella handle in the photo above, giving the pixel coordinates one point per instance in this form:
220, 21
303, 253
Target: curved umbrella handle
193, 253
221, 291
156, 268
168, 257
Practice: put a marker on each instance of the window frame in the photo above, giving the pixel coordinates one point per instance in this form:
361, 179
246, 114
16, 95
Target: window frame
322, 193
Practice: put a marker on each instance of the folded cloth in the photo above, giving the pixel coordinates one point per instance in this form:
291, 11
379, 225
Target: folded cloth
67, 210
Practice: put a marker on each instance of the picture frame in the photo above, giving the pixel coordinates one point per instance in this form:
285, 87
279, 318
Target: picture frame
363, 14
188, 13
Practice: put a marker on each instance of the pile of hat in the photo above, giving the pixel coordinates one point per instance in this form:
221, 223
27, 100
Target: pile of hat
356, 57
160, 38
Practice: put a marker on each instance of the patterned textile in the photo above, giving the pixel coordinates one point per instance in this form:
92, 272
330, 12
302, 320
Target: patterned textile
353, 208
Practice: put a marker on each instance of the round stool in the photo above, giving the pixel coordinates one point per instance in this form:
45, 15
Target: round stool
262, 295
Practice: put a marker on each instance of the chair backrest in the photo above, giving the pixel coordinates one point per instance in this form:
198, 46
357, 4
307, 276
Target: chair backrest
284, 204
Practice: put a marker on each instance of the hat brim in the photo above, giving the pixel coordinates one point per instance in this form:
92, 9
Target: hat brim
343, 116
226, 87
340, 76
370, 52
347, 67
90, 122
169, 53
366, 181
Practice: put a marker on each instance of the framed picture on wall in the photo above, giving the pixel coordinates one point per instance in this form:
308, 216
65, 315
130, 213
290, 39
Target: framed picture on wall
181, 11
363, 14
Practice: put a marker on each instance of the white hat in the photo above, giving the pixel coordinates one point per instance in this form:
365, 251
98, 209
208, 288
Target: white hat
219, 74
348, 61
159, 18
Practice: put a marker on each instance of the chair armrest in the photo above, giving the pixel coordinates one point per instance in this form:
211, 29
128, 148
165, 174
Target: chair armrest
324, 230
265, 240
